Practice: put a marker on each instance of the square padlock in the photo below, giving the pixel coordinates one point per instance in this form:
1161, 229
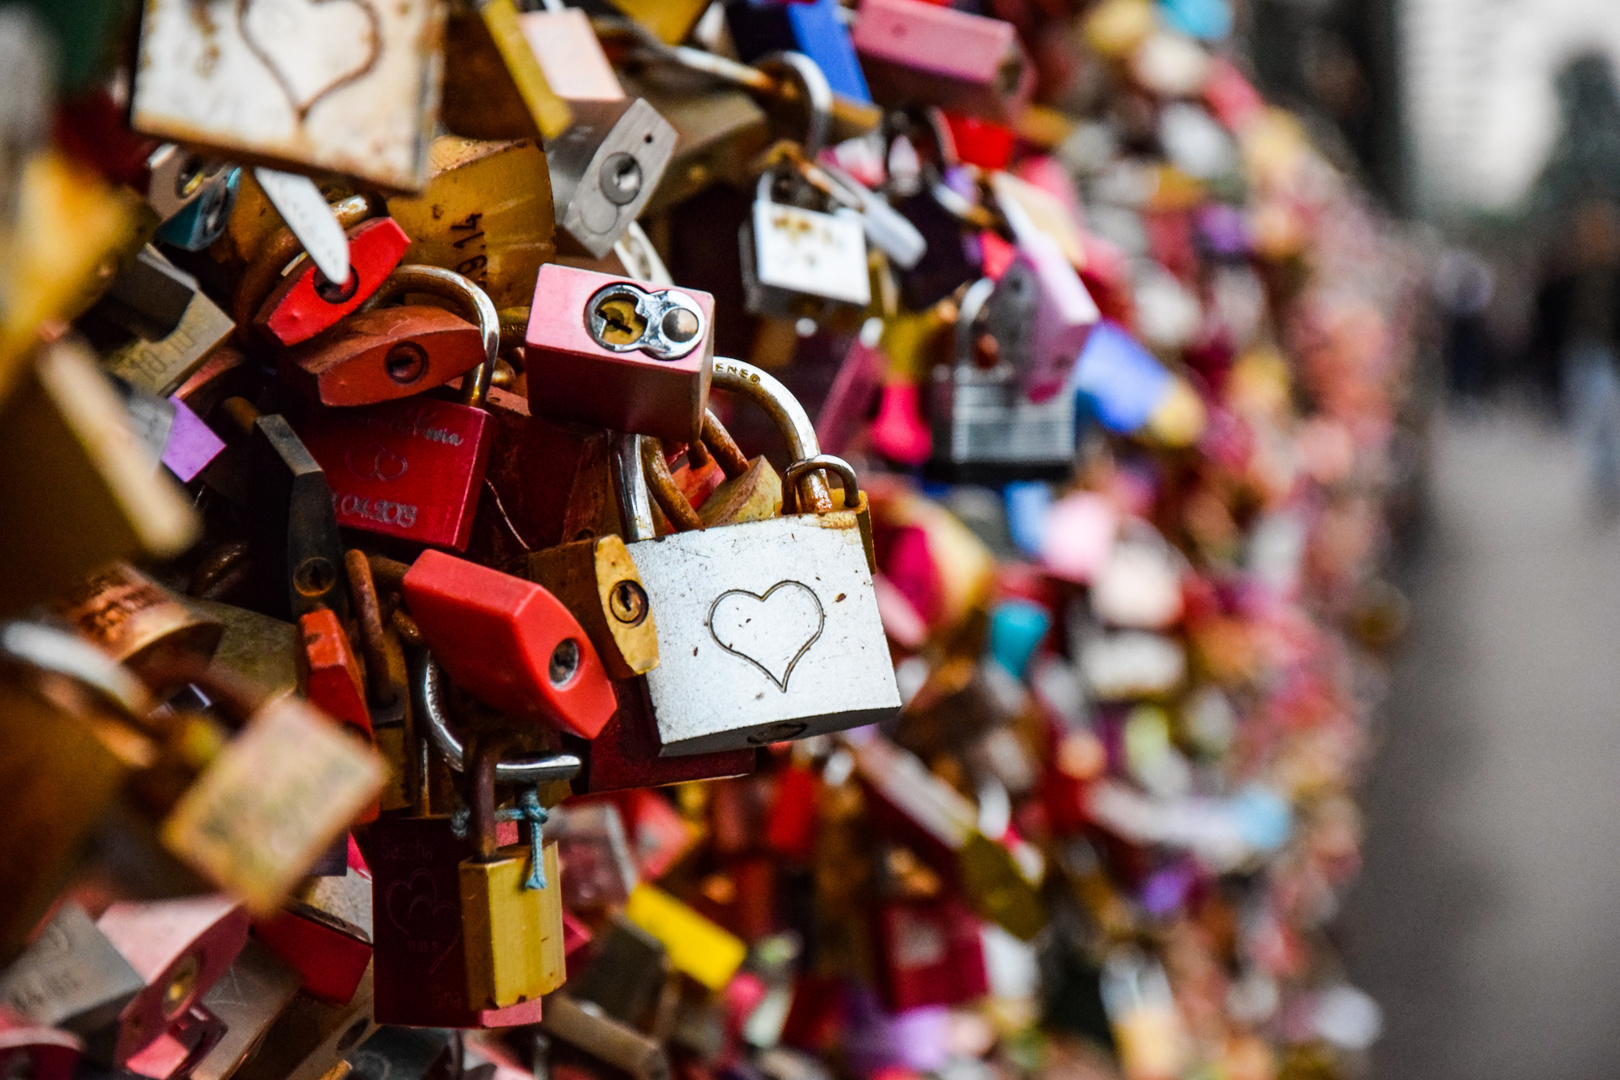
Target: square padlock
914, 51
621, 354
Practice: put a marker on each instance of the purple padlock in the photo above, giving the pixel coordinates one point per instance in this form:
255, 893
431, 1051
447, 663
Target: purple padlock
192, 444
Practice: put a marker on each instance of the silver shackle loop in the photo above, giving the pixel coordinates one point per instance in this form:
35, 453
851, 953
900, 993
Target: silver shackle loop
543, 769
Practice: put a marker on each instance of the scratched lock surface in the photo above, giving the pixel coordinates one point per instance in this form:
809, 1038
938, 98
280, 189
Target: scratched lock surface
785, 634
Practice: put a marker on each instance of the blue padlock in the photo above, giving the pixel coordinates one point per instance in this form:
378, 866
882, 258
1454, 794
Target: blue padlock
814, 29
203, 219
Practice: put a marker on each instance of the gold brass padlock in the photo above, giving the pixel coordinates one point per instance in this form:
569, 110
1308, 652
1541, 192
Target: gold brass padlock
511, 911
597, 581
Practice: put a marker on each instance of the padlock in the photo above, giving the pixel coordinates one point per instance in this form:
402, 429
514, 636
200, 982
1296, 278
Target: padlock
419, 950
310, 1037
718, 132
604, 168
598, 872
306, 303
384, 353
296, 546
71, 977
984, 426
510, 643
601, 1039
696, 946
41, 1053
138, 623
75, 722
511, 901
916, 52
247, 84
100, 500
203, 219
147, 297
413, 468
1040, 315
161, 364
613, 353
627, 971
273, 800
396, 1053
948, 265
725, 678
570, 54
191, 1036
179, 948
494, 87
486, 213
192, 445
272, 249
597, 582
931, 952
794, 257
324, 934
330, 673
940, 826
247, 999
259, 650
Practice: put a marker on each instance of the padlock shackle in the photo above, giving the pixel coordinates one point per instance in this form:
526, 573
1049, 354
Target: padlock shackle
968, 314
476, 307
834, 464
43, 648
261, 275
481, 796
434, 711
766, 391
810, 83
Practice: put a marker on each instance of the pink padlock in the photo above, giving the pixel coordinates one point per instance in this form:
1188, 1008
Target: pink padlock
917, 52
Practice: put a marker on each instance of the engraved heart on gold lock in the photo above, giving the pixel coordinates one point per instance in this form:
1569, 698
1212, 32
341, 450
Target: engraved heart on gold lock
305, 45
773, 630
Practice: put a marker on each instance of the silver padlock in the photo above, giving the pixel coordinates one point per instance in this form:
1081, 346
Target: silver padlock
985, 427
767, 630
604, 168
797, 261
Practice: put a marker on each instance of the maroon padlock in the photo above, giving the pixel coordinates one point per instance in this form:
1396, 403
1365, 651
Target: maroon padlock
413, 468
932, 954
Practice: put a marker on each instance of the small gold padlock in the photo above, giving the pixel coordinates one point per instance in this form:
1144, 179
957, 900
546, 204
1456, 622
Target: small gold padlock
511, 913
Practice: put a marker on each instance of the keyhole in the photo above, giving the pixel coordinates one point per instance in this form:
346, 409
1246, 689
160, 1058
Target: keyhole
628, 602
315, 576
621, 179
622, 324
406, 362
181, 985
336, 294
564, 662
189, 178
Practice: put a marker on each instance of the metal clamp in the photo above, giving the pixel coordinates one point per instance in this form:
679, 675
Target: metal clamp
430, 680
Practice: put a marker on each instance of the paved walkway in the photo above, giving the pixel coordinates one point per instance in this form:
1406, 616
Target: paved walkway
1487, 918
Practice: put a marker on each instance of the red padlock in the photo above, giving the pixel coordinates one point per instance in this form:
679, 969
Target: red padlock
413, 468
932, 954
331, 673
180, 948
172, 1055
510, 643
383, 354
621, 354
305, 303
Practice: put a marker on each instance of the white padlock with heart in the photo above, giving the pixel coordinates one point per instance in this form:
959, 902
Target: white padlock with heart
767, 630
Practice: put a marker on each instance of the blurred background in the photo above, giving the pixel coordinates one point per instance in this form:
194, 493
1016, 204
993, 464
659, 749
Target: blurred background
1485, 919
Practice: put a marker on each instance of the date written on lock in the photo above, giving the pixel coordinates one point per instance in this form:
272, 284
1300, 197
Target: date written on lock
409, 468
619, 354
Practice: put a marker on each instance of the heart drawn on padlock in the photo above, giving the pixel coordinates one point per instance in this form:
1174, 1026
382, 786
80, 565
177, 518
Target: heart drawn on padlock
417, 912
288, 50
771, 635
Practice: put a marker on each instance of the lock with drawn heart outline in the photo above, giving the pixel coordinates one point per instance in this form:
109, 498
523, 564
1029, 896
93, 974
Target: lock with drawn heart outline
756, 620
